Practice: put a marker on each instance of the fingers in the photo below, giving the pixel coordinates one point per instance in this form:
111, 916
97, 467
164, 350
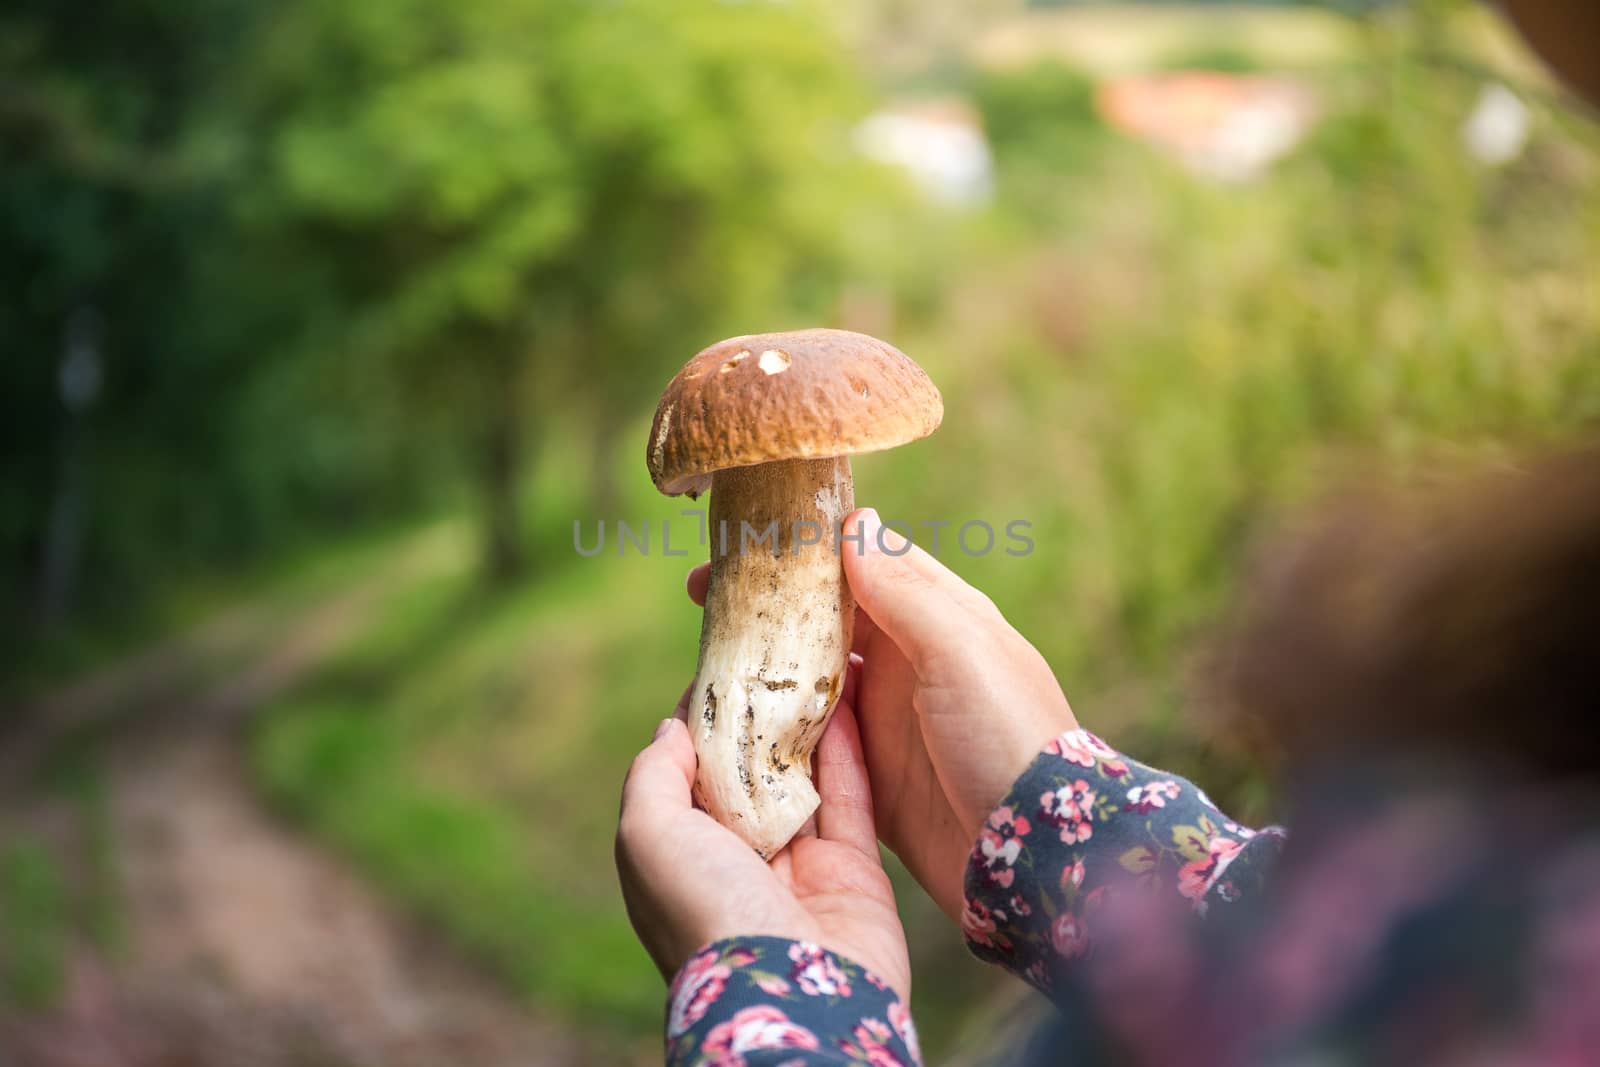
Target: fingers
847, 701
845, 814
807, 829
852, 680
698, 581
917, 602
862, 633
662, 776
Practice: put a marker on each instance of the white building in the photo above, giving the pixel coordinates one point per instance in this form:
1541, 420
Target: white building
939, 142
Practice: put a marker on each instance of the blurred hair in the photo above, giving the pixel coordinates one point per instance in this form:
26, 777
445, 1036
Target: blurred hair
1566, 33
1459, 625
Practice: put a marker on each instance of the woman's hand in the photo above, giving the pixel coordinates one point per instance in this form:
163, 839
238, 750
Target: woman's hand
954, 703
689, 881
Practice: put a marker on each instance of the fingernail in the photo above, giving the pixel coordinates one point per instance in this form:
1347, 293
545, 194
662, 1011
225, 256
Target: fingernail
662, 728
884, 540
870, 525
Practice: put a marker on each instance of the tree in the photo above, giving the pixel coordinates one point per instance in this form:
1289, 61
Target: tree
519, 206
98, 210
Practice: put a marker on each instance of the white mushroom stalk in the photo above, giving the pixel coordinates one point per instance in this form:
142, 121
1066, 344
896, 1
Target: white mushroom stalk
774, 644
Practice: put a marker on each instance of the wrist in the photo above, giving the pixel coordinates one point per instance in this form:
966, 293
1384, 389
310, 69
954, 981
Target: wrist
1023, 745
1031, 741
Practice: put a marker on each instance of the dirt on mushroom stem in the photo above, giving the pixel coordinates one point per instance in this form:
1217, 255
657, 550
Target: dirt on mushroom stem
774, 643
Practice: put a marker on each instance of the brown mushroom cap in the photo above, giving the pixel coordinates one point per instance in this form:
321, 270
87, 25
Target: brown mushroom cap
808, 394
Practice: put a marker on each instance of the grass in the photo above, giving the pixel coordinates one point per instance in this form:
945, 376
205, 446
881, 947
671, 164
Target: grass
274, 588
34, 923
473, 790
59, 886
467, 752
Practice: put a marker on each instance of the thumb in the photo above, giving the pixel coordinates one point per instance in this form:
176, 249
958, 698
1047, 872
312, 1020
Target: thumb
662, 776
919, 603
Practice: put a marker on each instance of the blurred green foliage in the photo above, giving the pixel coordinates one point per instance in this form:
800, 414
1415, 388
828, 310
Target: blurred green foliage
1218, 56
99, 215
1150, 368
469, 791
522, 208
34, 928
340, 258
59, 886
357, 260
1043, 132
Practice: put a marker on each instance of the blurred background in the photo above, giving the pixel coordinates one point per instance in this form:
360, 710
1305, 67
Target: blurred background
325, 321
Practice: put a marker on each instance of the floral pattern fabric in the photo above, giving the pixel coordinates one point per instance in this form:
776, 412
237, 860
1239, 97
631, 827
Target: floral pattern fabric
1082, 827
1416, 923
768, 1002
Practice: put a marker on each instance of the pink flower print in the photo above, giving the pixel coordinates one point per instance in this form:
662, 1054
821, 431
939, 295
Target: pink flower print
900, 1019
816, 973
694, 990
1080, 747
1196, 877
1113, 767
1144, 799
1071, 810
872, 1037
980, 926
1068, 936
773, 986
874, 1030
1000, 843
753, 1029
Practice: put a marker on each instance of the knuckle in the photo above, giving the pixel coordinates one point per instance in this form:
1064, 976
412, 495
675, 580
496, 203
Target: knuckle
983, 604
636, 770
630, 786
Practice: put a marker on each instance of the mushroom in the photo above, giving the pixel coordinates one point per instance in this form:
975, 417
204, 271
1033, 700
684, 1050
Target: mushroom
768, 423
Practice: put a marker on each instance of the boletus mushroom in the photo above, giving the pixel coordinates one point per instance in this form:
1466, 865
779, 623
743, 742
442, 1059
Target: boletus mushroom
768, 423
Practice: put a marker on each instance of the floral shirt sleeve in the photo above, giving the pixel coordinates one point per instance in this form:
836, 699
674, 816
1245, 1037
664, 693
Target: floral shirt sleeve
1083, 827
769, 1002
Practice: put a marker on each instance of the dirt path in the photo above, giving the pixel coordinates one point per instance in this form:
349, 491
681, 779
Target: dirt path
248, 944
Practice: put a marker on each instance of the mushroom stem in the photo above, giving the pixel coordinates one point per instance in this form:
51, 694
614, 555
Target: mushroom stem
774, 643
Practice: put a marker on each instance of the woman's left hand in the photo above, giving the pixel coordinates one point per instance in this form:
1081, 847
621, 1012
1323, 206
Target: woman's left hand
689, 881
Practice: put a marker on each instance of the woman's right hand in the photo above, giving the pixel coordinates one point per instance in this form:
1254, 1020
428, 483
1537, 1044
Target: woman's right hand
952, 703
